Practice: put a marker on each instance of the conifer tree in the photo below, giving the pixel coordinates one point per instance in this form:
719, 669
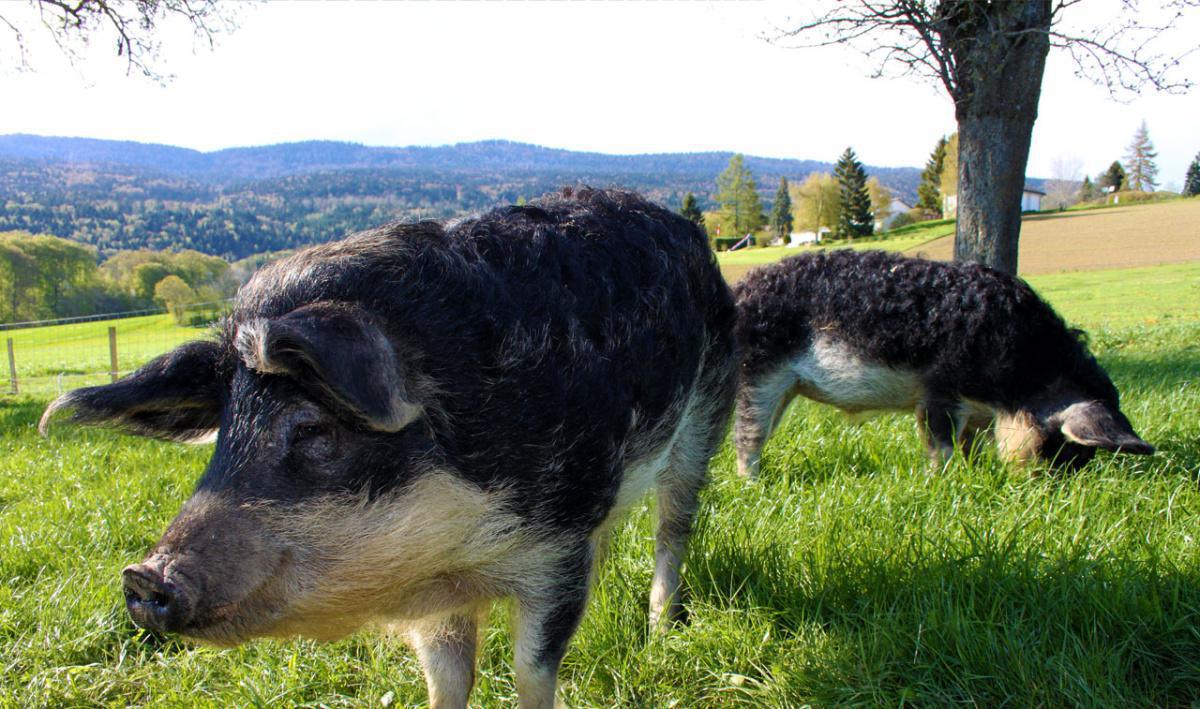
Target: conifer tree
1140, 167
855, 219
929, 192
1087, 190
1113, 177
781, 213
737, 193
1191, 183
691, 210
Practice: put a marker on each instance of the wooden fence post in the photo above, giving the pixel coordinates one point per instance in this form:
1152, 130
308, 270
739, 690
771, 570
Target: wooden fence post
12, 368
112, 350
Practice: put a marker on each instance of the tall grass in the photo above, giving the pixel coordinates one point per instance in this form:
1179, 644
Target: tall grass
848, 574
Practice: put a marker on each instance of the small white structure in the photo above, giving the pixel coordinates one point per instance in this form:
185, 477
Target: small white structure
799, 238
1031, 201
895, 209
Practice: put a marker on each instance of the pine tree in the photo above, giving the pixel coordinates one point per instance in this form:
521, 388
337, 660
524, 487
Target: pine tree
1113, 177
929, 192
691, 210
781, 213
855, 218
1140, 161
1191, 183
737, 193
1087, 190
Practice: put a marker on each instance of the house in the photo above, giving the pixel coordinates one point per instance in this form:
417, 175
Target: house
799, 238
1031, 201
895, 209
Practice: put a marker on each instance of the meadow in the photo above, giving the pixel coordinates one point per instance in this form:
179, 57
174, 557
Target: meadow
848, 574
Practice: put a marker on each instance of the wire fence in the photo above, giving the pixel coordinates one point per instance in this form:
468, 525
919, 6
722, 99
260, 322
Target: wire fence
47, 358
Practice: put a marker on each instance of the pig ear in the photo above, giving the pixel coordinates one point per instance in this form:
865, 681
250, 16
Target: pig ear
339, 351
176, 397
1096, 425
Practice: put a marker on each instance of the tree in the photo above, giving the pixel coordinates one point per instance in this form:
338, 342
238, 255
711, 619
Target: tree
175, 295
854, 219
1191, 183
1112, 179
929, 192
990, 58
818, 202
691, 210
781, 212
881, 201
949, 186
1139, 161
132, 25
1062, 189
737, 195
1088, 190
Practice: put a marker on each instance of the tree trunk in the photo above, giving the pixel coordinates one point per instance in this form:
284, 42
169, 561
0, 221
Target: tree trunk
992, 152
1000, 55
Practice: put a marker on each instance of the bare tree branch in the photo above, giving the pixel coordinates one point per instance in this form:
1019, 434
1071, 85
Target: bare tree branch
133, 25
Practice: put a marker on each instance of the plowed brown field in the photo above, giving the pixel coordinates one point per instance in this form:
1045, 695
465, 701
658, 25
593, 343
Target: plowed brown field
1115, 237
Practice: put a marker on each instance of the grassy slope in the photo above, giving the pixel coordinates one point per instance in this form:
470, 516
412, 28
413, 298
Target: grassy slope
1123, 236
847, 575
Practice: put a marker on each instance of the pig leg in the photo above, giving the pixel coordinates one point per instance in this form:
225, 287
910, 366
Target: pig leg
759, 407
546, 619
446, 647
701, 432
939, 420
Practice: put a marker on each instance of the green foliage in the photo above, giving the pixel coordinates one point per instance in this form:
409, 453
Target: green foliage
854, 219
849, 574
45, 276
929, 192
781, 211
905, 219
949, 183
1139, 161
737, 195
1191, 183
1088, 190
691, 210
173, 293
818, 202
1113, 179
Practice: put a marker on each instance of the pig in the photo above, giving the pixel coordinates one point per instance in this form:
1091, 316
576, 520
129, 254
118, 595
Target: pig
419, 420
963, 345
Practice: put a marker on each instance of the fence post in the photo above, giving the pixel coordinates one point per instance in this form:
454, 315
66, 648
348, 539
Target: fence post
12, 368
112, 350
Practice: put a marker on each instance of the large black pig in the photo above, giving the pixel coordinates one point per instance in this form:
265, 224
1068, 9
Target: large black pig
959, 343
418, 420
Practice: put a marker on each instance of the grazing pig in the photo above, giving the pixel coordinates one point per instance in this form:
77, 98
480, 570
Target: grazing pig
418, 420
959, 342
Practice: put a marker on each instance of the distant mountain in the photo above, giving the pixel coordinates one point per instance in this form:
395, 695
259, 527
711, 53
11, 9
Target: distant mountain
240, 201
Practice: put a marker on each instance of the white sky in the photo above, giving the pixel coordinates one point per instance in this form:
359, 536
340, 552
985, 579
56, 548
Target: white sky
616, 77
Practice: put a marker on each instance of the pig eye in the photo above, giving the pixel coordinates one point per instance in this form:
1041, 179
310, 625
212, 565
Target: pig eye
304, 432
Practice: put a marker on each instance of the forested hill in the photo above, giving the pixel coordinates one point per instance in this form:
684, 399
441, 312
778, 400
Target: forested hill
240, 201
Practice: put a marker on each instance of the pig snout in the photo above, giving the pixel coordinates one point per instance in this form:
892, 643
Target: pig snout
152, 601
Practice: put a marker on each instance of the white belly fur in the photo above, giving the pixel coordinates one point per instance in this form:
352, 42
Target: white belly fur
831, 372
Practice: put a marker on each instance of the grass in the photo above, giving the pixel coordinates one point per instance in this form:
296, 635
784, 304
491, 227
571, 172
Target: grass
77, 354
847, 575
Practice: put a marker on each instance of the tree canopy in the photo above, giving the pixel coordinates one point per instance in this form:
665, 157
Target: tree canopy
854, 218
737, 195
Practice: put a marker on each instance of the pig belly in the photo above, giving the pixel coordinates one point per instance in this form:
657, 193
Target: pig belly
832, 373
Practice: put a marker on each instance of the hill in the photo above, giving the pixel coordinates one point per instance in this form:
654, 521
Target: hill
241, 201
1147, 234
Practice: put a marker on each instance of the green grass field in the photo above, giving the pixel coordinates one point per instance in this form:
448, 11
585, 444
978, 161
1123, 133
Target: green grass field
847, 575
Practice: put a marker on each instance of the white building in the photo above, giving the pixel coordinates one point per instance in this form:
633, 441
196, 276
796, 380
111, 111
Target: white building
1031, 201
799, 238
895, 209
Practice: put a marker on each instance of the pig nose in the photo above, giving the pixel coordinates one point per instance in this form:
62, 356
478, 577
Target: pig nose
153, 602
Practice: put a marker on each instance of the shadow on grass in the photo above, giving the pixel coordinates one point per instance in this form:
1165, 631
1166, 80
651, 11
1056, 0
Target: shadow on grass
985, 622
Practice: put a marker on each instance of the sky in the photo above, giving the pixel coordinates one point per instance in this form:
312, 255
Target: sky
613, 77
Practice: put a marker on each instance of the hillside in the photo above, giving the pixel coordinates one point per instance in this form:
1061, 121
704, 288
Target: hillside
1095, 239
241, 201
